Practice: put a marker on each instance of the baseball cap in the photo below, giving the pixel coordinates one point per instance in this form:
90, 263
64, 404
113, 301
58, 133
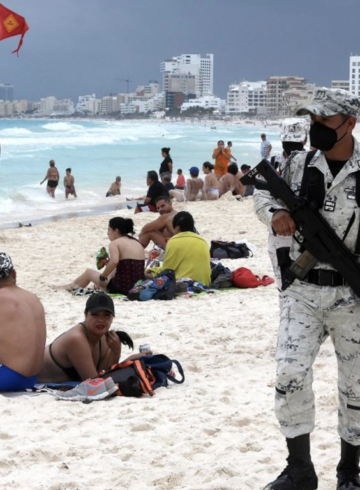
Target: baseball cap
194, 170
6, 265
100, 302
294, 130
329, 102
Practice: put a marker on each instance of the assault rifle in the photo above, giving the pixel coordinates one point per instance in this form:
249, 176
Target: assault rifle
320, 242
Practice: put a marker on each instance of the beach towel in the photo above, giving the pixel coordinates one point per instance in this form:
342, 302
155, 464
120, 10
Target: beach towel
244, 278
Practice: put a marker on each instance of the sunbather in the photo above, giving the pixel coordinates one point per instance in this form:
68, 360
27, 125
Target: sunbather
83, 351
22, 332
126, 264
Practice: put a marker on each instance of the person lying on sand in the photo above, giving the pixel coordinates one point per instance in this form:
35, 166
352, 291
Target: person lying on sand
83, 351
22, 332
160, 230
126, 264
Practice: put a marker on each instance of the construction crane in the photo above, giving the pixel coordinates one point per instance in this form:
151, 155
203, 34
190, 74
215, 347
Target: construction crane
127, 80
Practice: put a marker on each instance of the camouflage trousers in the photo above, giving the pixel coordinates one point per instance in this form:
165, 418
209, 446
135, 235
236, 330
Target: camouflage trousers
303, 328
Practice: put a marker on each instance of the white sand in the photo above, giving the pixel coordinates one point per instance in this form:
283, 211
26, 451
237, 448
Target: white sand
216, 431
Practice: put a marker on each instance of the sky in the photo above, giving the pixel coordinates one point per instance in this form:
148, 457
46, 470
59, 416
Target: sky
79, 47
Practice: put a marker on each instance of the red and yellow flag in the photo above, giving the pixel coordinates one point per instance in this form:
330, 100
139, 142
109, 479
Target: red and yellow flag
12, 24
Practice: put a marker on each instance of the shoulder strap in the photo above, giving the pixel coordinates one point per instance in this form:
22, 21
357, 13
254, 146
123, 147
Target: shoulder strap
272, 161
312, 185
181, 372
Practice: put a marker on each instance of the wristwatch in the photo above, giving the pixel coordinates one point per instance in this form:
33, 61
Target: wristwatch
103, 278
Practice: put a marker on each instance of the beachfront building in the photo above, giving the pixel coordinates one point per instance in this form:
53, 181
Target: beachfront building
343, 84
108, 104
87, 104
206, 102
282, 94
202, 69
354, 75
14, 108
149, 90
6, 92
246, 98
156, 103
50, 106
47, 105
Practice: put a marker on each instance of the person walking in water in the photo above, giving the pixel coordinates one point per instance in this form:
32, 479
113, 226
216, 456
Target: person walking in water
69, 184
52, 176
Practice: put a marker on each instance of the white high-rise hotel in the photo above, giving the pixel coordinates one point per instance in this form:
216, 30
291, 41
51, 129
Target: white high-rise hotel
202, 69
354, 75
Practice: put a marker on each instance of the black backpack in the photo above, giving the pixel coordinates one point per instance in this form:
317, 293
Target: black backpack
229, 250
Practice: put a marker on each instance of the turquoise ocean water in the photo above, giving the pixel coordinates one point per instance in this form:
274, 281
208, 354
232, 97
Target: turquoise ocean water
97, 151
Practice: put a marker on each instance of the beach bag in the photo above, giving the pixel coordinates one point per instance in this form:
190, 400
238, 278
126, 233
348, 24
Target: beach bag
162, 286
132, 377
229, 250
244, 278
161, 368
137, 377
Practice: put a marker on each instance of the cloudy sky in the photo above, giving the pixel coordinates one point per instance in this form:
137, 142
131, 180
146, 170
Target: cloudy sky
76, 47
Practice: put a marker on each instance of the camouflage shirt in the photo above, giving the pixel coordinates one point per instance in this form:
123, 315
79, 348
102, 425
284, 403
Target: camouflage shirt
338, 208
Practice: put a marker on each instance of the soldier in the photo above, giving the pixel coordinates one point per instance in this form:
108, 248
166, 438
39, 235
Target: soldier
323, 304
292, 137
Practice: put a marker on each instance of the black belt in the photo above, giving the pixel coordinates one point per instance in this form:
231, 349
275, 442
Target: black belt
324, 277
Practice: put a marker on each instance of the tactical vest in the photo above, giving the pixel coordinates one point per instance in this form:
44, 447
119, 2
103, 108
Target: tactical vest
313, 188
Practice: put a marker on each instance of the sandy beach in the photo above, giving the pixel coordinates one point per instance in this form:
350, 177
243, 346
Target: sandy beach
217, 430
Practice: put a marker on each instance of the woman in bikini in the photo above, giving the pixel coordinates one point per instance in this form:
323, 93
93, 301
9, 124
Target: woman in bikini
211, 182
194, 185
84, 350
126, 264
52, 178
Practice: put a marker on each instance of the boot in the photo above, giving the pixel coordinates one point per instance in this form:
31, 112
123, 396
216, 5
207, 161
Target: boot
299, 473
348, 470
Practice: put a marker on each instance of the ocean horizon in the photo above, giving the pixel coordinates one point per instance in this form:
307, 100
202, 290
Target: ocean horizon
98, 151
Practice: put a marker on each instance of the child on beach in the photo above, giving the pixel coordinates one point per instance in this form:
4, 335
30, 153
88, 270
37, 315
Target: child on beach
69, 182
180, 181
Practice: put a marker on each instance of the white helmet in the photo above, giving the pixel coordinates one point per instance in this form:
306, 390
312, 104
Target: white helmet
294, 129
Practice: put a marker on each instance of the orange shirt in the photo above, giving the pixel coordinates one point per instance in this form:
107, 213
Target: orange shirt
221, 162
180, 181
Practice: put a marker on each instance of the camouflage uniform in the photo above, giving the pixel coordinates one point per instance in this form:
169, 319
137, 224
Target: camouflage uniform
310, 313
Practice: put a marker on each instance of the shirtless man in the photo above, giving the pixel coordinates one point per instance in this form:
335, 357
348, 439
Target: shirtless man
115, 188
160, 230
230, 181
69, 182
22, 332
52, 176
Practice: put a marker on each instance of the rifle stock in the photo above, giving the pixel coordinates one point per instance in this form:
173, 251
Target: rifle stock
316, 236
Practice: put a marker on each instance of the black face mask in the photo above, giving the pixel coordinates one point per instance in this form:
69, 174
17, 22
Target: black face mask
290, 146
324, 138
